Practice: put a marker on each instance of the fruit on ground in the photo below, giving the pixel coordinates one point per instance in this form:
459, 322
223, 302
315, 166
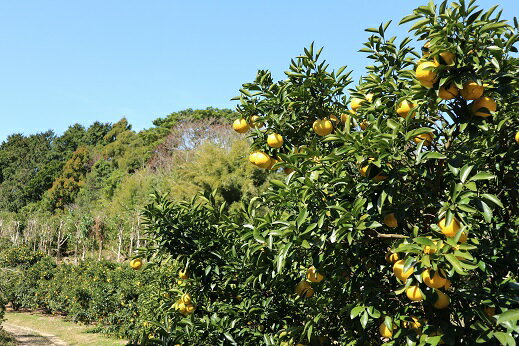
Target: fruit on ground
313, 275
483, 105
435, 281
404, 108
255, 121
427, 137
184, 275
384, 331
240, 125
303, 288
425, 73
451, 229
275, 140
260, 159
390, 220
448, 92
471, 90
136, 263
414, 293
442, 301
392, 257
322, 127
398, 270
445, 58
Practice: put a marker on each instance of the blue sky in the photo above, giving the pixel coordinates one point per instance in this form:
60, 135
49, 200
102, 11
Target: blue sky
66, 61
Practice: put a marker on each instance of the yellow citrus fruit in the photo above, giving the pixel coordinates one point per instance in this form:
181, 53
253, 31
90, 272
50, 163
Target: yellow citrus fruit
384, 331
364, 124
450, 230
426, 49
275, 140
189, 309
252, 157
429, 250
398, 270
313, 275
392, 257
304, 288
404, 108
489, 311
448, 92
355, 103
427, 137
364, 170
445, 58
322, 127
345, 117
390, 220
471, 90
436, 281
273, 161
136, 263
482, 105
442, 301
463, 237
447, 285
415, 324
517, 137
414, 293
369, 97
425, 73
186, 299
255, 122
240, 125
184, 275
181, 307
262, 160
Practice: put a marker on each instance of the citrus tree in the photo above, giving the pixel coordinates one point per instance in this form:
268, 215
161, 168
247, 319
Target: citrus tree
397, 221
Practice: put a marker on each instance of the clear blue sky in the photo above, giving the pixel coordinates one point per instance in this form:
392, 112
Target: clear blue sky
65, 61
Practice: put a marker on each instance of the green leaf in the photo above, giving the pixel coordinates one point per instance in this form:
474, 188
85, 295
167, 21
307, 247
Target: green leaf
456, 264
464, 172
492, 199
364, 319
510, 315
356, 311
482, 176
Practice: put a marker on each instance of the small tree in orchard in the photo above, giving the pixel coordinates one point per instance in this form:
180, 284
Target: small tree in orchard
398, 219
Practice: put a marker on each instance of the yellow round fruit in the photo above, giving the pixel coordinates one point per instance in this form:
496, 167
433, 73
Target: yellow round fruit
184, 275
275, 140
181, 307
189, 309
252, 157
262, 160
398, 270
415, 324
313, 275
364, 170
186, 299
429, 250
448, 284
364, 124
448, 92
482, 105
471, 90
445, 58
425, 73
345, 117
304, 288
255, 122
427, 137
384, 331
322, 127
390, 220
489, 311
392, 257
517, 137
404, 108
240, 125
136, 263
369, 97
450, 230
355, 103
442, 301
414, 293
436, 281
426, 49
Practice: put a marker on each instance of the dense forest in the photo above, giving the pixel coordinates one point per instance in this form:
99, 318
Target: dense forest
81, 193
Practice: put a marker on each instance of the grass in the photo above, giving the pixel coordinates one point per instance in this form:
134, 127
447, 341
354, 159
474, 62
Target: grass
70, 332
6, 339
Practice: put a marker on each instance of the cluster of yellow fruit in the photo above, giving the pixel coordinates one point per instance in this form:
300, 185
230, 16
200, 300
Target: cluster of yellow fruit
185, 305
136, 263
471, 91
304, 287
242, 126
415, 324
183, 275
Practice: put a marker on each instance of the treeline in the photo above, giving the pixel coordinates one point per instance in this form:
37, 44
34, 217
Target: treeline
80, 194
